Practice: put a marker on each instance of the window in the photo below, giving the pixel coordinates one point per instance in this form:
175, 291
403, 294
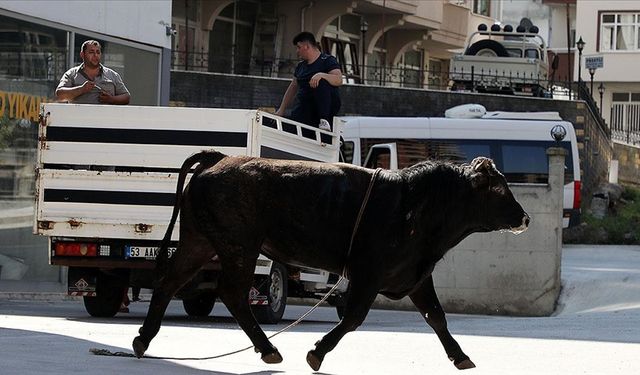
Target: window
137, 67
481, 7
459, 151
619, 31
519, 161
231, 38
347, 56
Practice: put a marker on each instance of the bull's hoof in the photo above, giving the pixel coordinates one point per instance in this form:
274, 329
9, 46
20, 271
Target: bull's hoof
314, 360
465, 364
139, 347
273, 357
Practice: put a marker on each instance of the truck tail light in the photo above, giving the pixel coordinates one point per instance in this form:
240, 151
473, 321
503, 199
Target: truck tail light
76, 249
577, 198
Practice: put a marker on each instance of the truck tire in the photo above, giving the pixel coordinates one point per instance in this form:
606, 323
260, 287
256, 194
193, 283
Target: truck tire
108, 299
276, 289
199, 306
487, 47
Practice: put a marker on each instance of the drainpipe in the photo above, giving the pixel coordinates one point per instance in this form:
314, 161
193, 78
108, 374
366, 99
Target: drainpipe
302, 14
186, 38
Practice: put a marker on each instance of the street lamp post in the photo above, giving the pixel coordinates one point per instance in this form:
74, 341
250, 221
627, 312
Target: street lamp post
364, 26
580, 44
592, 71
601, 91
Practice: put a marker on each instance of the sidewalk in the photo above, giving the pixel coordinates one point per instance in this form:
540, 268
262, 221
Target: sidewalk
33, 290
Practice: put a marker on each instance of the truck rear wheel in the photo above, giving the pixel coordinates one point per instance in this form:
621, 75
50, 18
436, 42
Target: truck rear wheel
199, 306
108, 299
276, 289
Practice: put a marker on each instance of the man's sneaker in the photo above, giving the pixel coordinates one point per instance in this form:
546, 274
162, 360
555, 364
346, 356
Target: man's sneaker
324, 125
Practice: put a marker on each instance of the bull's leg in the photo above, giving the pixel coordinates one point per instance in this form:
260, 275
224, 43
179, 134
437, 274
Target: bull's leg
234, 284
193, 252
427, 302
359, 300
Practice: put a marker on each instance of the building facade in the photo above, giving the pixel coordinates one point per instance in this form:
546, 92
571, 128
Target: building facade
377, 42
39, 41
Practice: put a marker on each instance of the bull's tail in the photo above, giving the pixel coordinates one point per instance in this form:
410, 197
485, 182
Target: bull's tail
205, 159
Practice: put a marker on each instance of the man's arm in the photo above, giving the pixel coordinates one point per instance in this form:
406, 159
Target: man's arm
70, 93
114, 99
288, 97
334, 77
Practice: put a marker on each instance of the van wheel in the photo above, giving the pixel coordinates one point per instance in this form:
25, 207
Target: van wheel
276, 289
108, 299
487, 47
201, 305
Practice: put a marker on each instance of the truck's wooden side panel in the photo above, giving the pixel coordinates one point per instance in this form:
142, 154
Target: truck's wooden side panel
111, 171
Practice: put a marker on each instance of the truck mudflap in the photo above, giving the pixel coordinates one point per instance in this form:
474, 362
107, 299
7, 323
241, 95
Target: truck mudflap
82, 282
257, 299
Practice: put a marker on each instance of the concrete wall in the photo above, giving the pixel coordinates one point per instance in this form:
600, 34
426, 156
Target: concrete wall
629, 163
194, 89
502, 273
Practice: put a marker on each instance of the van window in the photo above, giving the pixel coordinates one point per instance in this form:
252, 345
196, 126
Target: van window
410, 151
525, 163
459, 151
519, 161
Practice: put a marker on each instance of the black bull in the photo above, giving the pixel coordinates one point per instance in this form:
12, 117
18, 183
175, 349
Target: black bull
304, 213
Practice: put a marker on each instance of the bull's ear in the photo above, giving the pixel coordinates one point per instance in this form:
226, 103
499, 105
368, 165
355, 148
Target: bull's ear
486, 165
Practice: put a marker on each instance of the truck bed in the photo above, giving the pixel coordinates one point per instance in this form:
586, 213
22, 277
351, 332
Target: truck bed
111, 171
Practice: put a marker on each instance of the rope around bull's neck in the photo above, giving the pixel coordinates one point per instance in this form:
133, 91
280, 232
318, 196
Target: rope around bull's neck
365, 200
363, 206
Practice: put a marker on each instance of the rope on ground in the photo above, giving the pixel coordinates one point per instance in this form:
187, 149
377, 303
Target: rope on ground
106, 352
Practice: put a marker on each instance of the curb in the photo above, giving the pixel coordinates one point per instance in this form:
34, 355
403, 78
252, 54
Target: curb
36, 296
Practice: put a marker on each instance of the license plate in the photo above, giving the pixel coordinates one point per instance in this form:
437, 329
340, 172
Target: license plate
144, 252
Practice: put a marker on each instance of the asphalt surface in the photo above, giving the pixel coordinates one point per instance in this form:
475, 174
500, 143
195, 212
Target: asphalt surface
596, 330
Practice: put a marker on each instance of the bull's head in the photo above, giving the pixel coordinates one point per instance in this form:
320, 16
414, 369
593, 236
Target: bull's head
499, 208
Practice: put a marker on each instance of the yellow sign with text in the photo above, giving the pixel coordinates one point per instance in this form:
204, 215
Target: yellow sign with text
17, 105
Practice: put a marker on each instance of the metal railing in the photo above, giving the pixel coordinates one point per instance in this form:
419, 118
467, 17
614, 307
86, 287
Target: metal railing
585, 94
44, 66
625, 123
374, 74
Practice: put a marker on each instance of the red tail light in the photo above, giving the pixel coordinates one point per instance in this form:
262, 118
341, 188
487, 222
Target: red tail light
577, 198
76, 249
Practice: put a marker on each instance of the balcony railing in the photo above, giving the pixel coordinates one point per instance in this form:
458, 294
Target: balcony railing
625, 123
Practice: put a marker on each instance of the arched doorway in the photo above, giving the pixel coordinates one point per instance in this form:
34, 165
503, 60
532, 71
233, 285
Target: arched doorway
231, 38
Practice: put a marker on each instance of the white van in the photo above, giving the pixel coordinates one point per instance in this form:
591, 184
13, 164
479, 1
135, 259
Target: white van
517, 143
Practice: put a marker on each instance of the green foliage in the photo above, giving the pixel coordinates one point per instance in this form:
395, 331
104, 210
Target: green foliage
17, 133
621, 226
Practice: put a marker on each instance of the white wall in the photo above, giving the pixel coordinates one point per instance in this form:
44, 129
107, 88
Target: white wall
140, 21
618, 66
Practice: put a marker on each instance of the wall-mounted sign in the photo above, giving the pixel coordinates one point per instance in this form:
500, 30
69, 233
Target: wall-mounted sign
17, 105
594, 61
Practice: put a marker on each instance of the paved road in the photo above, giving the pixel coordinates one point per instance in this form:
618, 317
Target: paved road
596, 332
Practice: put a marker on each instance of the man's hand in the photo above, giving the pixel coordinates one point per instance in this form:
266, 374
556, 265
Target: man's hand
87, 86
315, 80
105, 98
